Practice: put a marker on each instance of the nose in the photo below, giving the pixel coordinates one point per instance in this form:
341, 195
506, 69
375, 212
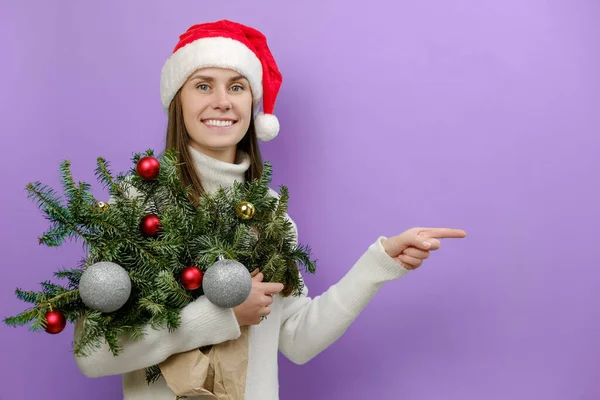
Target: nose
221, 100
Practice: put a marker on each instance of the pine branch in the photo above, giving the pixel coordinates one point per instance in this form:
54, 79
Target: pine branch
104, 176
242, 241
112, 339
301, 255
153, 307
23, 318
89, 339
39, 323
55, 236
126, 237
137, 333
171, 291
49, 203
53, 290
29, 297
84, 194
152, 374
52, 297
211, 247
68, 183
72, 275
282, 206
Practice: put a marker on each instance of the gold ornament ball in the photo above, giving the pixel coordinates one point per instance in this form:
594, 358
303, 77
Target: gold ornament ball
245, 210
102, 205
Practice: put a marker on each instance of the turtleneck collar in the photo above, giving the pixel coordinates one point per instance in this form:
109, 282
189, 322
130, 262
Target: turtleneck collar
215, 173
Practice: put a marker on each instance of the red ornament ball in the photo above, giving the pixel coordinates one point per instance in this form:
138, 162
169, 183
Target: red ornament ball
148, 168
55, 322
150, 225
191, 278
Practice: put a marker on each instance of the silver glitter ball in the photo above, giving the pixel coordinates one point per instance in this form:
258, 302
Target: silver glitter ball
227, 283
104, 286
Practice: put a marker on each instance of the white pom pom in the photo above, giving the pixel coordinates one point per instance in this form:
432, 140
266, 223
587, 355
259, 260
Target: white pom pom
266, 126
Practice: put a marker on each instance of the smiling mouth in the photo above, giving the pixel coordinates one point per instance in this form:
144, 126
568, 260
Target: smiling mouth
218, 123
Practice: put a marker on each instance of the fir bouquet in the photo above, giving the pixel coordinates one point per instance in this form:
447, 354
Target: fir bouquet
150, 250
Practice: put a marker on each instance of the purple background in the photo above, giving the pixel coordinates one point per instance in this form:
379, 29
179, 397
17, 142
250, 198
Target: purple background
480, 115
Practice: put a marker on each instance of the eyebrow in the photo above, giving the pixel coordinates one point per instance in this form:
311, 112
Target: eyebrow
211, 79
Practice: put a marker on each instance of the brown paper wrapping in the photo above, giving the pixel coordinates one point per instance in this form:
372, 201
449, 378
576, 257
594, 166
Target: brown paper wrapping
217, 372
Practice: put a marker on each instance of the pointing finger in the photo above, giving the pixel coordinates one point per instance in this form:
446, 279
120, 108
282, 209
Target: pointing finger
425, 244
443, 233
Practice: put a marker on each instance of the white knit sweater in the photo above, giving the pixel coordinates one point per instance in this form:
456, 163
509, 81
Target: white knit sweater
298, 326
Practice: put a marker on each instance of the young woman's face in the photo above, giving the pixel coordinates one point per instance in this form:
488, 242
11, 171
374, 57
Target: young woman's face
217, 108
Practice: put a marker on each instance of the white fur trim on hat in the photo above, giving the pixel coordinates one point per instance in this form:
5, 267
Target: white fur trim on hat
216, 52
266, 126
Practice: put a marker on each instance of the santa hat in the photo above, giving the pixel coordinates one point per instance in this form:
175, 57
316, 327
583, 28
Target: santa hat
227, 44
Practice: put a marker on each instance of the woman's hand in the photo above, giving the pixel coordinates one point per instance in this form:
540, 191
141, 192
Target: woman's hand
258, 303
411, 247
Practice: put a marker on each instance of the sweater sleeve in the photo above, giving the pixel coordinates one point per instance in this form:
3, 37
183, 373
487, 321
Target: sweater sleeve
309, 326
202, 324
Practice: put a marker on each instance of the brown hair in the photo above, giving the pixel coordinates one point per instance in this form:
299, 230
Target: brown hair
178, 139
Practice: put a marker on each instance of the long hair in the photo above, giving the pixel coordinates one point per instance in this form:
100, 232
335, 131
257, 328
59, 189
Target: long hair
177, 138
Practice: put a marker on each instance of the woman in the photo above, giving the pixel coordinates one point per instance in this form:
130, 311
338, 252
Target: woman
211, 87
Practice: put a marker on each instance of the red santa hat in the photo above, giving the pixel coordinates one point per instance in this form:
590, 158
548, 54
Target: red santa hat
227, 44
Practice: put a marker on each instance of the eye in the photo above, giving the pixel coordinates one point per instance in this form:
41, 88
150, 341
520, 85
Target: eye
237, 88
203, 87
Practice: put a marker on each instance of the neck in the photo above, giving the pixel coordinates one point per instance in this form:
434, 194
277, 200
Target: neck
215, 172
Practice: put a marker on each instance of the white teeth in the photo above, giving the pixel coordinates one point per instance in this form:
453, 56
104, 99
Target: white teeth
213, 122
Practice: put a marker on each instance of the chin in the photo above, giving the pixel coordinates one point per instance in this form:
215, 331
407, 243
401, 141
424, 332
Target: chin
219, 144
216, 139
